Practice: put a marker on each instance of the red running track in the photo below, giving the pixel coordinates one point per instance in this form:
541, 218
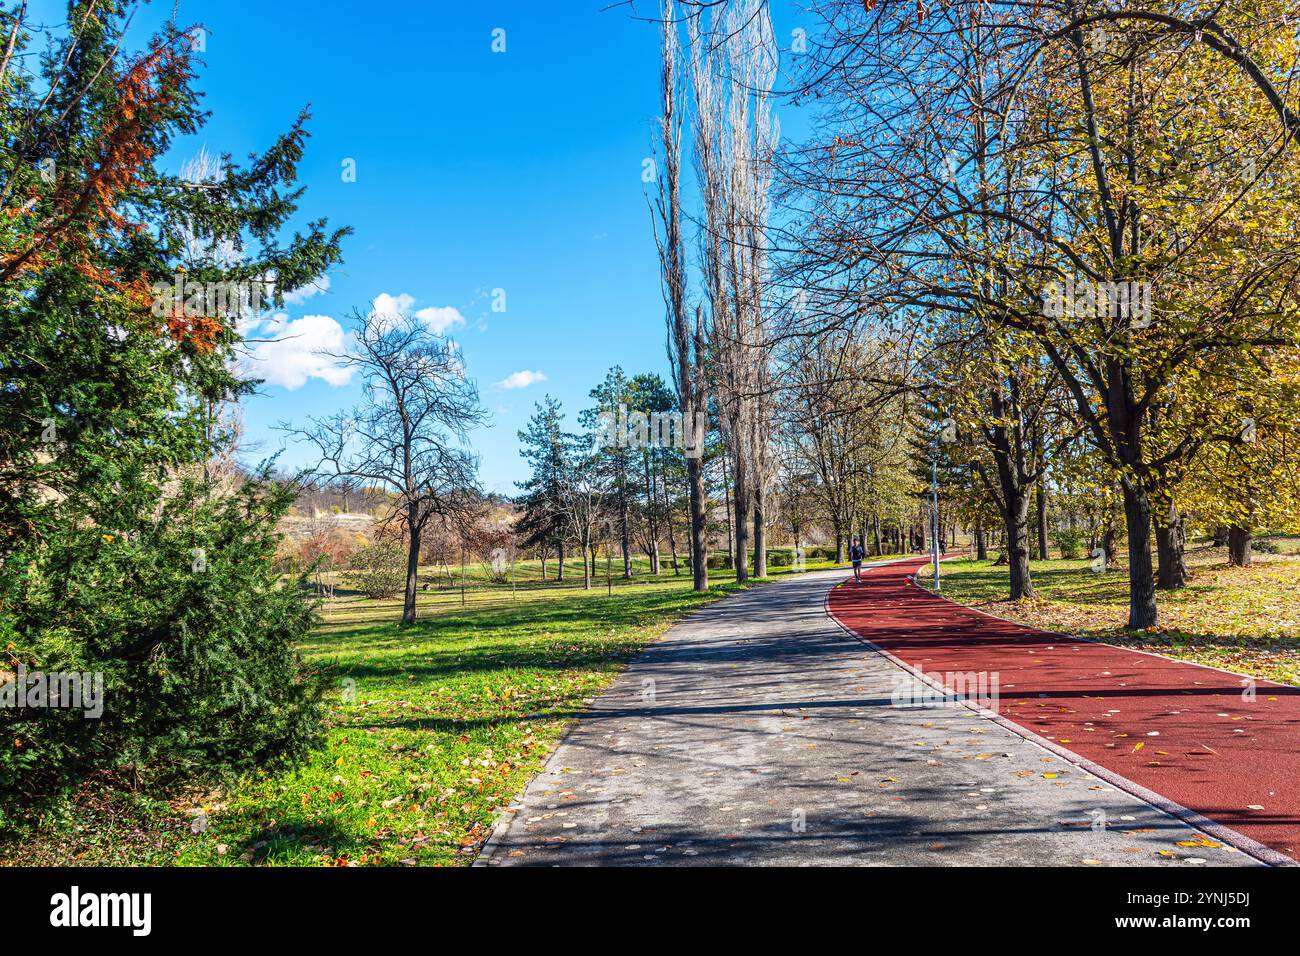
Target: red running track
1182, 732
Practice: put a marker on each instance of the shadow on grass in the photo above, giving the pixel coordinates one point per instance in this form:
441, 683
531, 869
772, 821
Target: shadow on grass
453, 641
478, 658
1066, 585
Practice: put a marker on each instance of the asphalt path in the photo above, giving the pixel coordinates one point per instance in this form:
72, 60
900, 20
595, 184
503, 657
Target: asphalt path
759, 731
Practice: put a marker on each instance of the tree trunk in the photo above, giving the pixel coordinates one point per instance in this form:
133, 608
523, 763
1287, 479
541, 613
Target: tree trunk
587, 561
1239, 550
1014, 484
668, 517
760, 535
1041, 495
740, 497
625, 534
651, 501
1017, 550
876, 532
412, 563
560, 559
981, 544
1171, 542
1141, 576
731, 538
686, 350
699, 560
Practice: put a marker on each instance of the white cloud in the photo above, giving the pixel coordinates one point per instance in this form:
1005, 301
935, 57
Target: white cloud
301, 295
520, 379
302, 349
385, 304
441, 318
297, 351
438, 319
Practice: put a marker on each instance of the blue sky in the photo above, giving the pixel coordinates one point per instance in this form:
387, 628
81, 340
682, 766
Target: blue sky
475, 171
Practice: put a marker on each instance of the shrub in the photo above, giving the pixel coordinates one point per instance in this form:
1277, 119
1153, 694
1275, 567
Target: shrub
326, 552
322, 554
715, 562
192, 630
1070, 543
378, 570
1265, 546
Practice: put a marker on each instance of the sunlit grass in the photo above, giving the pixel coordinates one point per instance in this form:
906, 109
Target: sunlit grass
433, 728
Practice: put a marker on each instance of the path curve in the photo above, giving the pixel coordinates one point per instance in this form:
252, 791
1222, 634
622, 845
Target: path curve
757, 732
1214, 747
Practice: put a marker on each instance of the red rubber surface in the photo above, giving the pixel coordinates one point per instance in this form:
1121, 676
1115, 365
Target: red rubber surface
1217, 752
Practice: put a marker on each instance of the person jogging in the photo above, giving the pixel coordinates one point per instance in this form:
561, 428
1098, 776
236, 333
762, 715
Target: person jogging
856, 553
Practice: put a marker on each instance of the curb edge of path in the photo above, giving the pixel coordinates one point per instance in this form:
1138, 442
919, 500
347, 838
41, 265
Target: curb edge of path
1179, 812
493, 842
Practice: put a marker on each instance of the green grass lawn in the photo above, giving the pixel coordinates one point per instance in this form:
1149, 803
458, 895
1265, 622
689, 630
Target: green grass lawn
1243, 619
432, 729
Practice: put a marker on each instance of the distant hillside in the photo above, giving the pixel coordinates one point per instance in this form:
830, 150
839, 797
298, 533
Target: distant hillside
299, 528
